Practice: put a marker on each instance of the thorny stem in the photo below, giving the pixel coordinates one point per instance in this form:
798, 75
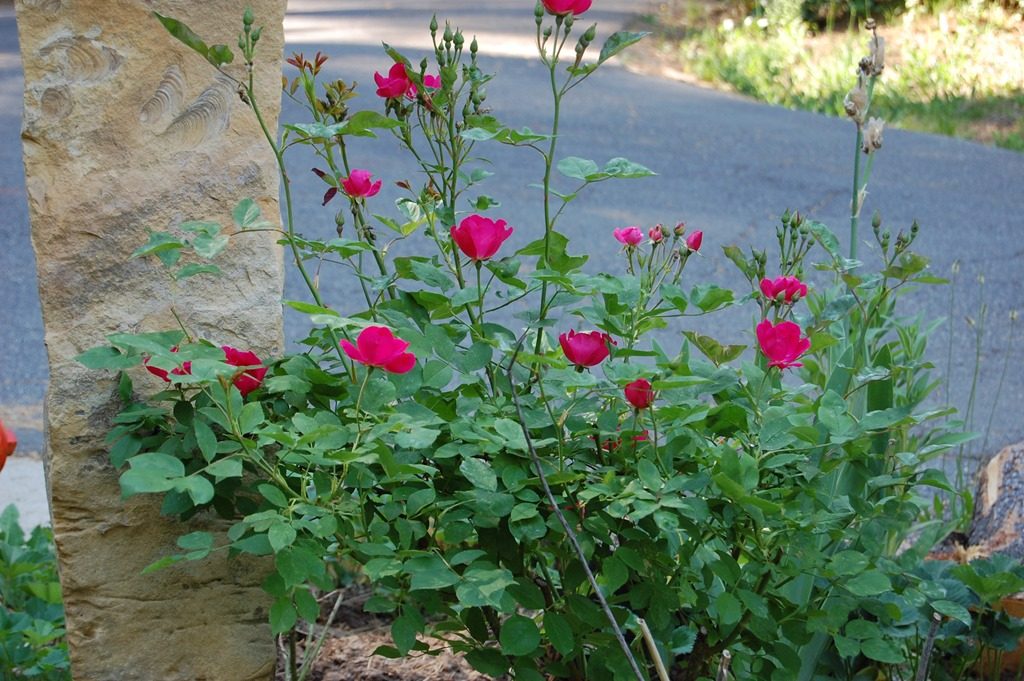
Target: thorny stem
289, 212
539, 467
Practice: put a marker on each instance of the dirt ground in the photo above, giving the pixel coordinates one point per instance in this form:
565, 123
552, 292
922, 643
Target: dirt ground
347, 654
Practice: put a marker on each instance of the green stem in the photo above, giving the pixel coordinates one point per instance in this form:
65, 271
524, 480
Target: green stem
290, 213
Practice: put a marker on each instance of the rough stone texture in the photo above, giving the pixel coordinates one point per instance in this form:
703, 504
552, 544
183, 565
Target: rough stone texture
998, 522
124, 129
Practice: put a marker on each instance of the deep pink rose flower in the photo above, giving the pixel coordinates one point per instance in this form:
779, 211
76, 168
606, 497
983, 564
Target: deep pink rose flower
630, 236
184, 370
480, 238
8, 443
639, 393
360, 185
252, 377
398, 84
395, 84
694, 241
559, 7
784, 289
586, 349
377, 347
656, 234
782, 343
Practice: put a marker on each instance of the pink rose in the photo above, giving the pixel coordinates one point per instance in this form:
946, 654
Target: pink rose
252, 377
586, 349
639, 393
782, 343
784, 289
8, 443
656, 234
377, 347
398, 84
561, 7
184, 370
360, 185
630, 236
694, 241
480, 238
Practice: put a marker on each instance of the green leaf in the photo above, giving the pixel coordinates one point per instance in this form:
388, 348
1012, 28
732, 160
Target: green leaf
205, 438
282, 616
196, 541
519, 636
619, 41
437, 374
273, 495
225, 468
512, 432
559, 633
429, 573
954, 610
296, 565
480, 474
869, 583
488, 661
198, 488
362, 124
482, 587
218, 55
106, 357
247, 215
729, 608
881, 650
195, 269
403, 632
306, 605
185, 34
150, 473
281, 536
577, 168
713, 350
164, 245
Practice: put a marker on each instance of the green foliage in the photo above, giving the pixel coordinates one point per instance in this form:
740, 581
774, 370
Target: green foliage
516, 507
32, 644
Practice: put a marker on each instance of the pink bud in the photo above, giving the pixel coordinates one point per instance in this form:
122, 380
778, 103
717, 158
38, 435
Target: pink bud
639, 393
562, 7
656, 234
787, 289
694, 241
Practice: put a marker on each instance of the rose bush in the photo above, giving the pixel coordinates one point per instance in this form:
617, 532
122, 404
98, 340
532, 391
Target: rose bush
557, 503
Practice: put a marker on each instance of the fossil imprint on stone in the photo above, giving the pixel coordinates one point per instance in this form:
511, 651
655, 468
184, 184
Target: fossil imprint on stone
82, 59
167, 98
205, 118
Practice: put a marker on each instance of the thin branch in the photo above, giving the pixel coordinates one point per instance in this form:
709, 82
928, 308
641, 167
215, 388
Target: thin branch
652, 648
723, 666
565, 524
926, 653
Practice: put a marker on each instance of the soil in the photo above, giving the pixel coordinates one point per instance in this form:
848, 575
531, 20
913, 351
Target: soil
347, 653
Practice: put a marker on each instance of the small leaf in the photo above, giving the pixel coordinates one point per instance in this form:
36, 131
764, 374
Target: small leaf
480, 474
519, 636
185, 34
617, 42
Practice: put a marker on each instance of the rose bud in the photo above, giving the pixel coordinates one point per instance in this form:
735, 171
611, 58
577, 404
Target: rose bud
639, 393
563, 7
694, 241
784, 289
585, 349
631, 237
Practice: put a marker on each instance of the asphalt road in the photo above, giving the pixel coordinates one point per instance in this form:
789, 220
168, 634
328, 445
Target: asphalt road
726, 165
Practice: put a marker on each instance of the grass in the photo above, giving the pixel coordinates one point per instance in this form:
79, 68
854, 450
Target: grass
957, 72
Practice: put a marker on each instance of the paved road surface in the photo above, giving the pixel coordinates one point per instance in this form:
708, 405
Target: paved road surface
726, 165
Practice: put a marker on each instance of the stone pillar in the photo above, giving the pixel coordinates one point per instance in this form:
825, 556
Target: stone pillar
125, 128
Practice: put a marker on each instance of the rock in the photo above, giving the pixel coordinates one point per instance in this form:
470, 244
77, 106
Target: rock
126, 129
998, 522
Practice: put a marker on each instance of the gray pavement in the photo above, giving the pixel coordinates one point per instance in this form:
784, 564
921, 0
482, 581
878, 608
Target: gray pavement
726, 165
